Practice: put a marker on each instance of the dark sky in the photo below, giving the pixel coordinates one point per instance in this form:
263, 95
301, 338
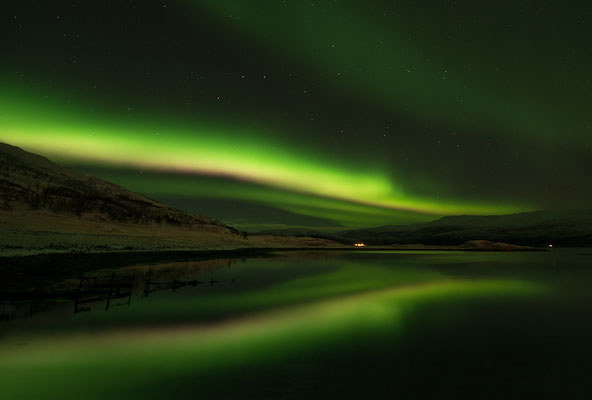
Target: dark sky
342, 112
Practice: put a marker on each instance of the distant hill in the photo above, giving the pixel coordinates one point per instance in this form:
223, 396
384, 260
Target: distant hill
537, 228
558, 227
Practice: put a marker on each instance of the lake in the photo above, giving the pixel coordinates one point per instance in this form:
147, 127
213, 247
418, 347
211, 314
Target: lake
310, 324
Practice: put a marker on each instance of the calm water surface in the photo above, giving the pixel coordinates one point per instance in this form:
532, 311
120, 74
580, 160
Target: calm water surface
311, 325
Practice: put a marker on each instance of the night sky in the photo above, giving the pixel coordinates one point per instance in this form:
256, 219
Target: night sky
318, 113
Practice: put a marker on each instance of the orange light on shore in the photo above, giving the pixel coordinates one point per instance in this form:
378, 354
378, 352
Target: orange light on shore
550, 245
359, 244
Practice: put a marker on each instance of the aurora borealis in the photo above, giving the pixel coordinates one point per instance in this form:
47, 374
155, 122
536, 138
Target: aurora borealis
360, 114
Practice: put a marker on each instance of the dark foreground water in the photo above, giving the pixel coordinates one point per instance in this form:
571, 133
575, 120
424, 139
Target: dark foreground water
301, 325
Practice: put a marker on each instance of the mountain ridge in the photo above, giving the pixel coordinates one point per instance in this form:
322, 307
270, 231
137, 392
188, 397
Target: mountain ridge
571, 227
33, 182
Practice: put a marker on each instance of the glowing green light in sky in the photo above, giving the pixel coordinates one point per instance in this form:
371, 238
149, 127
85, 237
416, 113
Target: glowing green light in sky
360, 52
358, 112
69, 133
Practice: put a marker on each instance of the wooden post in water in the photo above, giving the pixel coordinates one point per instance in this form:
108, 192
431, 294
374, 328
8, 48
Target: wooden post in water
110, 289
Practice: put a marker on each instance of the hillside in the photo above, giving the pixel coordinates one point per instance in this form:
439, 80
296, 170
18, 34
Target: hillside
31, 182
48, 207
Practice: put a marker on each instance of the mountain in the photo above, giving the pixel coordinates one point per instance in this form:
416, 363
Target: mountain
45, 206
537, 228
31, 182
48, 207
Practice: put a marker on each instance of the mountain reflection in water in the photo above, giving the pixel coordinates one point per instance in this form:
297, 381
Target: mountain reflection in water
314, 325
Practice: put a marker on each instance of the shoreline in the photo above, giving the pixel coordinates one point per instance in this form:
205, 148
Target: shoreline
215, 253
37, 270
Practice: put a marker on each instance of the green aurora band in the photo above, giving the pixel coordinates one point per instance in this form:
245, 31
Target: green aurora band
380, 62
292, 178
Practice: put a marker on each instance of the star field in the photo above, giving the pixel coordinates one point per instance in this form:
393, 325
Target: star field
360, 113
